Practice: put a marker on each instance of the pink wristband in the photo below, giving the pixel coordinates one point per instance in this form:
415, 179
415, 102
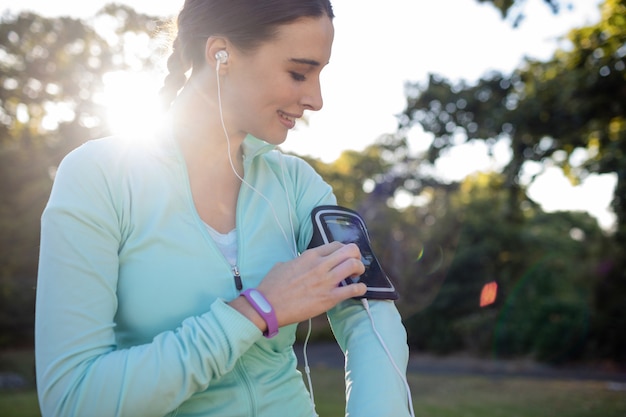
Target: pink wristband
265, 310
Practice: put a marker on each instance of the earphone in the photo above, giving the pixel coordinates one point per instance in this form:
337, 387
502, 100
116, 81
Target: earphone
221, 57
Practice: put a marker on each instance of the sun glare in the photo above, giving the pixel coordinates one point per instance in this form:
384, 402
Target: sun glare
131, 99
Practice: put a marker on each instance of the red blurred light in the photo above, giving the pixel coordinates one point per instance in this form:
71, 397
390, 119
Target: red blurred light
488, 294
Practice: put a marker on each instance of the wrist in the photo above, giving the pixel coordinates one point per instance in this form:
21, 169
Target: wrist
264, 309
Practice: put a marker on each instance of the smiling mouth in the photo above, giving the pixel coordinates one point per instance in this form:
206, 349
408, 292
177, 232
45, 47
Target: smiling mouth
288, 117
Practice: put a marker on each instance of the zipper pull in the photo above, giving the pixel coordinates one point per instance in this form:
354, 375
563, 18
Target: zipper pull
237, 277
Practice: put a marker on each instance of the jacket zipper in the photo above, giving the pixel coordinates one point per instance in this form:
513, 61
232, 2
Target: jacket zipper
248, 387
237, 278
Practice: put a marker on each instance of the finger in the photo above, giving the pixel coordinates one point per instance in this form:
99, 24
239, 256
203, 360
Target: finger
330, 255
328, 248
342, 254
348, 268
350, 291
351, 249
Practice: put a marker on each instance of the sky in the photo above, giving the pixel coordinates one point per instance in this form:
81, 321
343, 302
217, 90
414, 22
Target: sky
379, 46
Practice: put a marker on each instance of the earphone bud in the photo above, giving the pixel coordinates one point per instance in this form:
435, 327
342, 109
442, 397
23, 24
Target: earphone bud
221, 56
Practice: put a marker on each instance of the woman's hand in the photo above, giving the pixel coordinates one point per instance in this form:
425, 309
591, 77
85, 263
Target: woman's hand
308, 285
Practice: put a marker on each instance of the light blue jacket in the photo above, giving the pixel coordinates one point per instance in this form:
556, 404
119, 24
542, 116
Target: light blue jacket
132, 316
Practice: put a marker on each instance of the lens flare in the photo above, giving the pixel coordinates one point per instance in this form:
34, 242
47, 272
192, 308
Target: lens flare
488, 294
420, 255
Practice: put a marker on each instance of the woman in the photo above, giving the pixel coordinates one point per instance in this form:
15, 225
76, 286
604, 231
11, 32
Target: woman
166, 268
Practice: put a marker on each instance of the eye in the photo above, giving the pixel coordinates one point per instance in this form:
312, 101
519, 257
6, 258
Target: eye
297, 76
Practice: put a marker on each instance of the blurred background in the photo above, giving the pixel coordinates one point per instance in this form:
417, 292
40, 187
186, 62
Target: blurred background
482, 140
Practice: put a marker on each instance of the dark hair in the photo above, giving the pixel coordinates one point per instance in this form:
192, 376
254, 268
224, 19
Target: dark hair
245, 23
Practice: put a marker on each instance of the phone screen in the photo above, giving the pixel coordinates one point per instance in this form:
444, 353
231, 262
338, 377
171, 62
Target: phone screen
336, 223
348, 229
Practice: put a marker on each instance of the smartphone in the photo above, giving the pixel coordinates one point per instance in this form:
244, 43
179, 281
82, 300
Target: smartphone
336, 223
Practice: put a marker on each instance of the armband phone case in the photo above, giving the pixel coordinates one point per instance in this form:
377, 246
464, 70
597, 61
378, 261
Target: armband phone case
336, 223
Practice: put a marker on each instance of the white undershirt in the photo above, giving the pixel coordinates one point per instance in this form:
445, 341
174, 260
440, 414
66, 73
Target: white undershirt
227, 243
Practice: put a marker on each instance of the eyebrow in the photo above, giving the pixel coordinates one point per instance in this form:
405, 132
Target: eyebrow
305, 61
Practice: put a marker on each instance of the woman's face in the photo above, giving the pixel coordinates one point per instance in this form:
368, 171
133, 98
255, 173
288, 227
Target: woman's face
265, 91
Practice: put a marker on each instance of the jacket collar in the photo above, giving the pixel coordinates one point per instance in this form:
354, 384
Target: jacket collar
253, 147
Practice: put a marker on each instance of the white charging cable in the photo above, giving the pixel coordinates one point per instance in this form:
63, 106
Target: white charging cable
395, 366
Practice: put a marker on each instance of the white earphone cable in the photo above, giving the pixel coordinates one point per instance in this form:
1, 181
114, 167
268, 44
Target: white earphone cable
393, 363
232, 165
307, 369
295, 253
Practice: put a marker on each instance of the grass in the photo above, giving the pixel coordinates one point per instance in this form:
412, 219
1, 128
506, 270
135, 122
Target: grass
472, 396
22, 403
433, 396
19, 402
447, 396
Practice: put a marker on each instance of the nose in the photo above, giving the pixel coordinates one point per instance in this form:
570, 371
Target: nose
312, 97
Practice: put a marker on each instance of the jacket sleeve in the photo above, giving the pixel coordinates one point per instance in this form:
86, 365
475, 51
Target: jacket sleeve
373, 386
80, 370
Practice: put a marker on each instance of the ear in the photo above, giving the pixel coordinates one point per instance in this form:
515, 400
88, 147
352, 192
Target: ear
214, 44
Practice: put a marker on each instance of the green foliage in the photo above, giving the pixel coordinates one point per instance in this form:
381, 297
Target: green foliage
545, 269
51, 71
552, 112
514, 9
350, 171
574, 101
441, 251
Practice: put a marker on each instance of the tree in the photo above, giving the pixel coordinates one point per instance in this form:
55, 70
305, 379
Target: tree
514, 9
542, 304
441, 250
369, 182
571, 105
51, 70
